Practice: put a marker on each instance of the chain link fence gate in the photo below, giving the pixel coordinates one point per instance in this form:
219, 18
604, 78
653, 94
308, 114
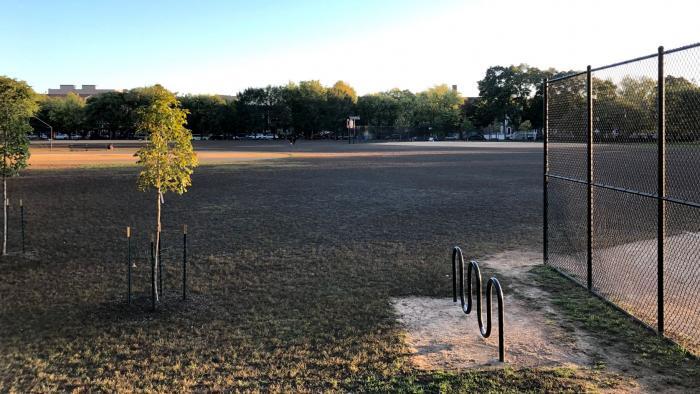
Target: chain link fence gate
622, 186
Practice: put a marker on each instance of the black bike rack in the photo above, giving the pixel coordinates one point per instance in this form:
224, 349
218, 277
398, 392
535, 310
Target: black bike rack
467, 306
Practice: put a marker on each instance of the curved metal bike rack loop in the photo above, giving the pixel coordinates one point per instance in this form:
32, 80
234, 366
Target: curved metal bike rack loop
467, 306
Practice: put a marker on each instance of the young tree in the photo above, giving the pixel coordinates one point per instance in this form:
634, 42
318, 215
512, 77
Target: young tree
168, 159
18, 103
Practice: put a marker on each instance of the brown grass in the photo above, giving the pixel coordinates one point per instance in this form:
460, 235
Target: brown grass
293, 265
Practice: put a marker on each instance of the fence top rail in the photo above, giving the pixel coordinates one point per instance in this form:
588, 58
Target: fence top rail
636, 59
683, 48
622, 63
567, 76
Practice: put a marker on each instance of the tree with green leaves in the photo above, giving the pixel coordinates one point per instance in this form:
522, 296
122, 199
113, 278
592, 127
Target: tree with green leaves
264, 109
513, 93
18, 103
340, 103
66, 114
168, 159
439, 108
207, 114
306, 102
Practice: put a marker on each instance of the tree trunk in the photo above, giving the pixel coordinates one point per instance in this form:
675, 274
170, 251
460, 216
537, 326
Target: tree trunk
157, 255
4, 215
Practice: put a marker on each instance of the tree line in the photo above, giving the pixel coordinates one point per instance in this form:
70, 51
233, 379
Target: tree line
307, 108
511, 94
310, 109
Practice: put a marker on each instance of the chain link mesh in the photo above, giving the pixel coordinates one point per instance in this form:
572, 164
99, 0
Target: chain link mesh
567, 131
624, 126
624, 251
682, 247
625, 155
567, 157
567, 227
625, 188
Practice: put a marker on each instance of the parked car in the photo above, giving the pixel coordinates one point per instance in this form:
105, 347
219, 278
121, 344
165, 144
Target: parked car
60, 136
76, 136
476, 137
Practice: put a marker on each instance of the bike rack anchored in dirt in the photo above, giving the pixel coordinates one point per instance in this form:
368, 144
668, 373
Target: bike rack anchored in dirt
467, 307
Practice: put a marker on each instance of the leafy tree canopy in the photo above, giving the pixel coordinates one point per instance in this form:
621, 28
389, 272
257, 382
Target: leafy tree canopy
18, 103
168, 159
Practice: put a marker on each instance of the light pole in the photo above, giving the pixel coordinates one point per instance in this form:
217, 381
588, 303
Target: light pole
50, 132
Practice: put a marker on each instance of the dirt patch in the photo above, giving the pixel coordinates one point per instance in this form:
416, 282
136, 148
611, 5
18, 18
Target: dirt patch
443, 337
537, 334
63, 158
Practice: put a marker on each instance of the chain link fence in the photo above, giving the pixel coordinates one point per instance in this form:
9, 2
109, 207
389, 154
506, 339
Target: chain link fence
622, 187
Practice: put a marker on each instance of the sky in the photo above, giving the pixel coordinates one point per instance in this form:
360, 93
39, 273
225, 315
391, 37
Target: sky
225, 46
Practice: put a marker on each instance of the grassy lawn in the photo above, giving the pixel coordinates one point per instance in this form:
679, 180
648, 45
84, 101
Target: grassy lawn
293, 264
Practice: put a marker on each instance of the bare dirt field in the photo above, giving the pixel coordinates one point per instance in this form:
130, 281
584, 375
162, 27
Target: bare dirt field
68, 154
296, 268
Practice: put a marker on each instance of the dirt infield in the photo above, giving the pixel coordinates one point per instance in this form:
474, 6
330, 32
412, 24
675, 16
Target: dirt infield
226, 152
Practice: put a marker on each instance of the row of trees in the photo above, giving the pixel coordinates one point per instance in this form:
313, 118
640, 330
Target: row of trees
115, 114
512, 94
308, 108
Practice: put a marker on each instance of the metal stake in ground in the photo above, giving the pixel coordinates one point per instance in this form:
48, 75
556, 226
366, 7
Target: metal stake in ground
7, 220
160, 267
153, 279
184, 262
21, 221
128, 264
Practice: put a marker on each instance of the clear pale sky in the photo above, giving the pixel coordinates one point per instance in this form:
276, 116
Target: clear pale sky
224, 46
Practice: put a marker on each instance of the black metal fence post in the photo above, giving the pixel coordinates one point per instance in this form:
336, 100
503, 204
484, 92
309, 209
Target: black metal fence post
184, 262
661, 177
153, 276
589, 179
545, 213
128, 264
21, 222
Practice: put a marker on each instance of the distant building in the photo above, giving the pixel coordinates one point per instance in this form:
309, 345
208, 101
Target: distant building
85, 91
228, 98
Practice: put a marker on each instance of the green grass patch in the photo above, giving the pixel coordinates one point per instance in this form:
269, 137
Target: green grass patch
616, 331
